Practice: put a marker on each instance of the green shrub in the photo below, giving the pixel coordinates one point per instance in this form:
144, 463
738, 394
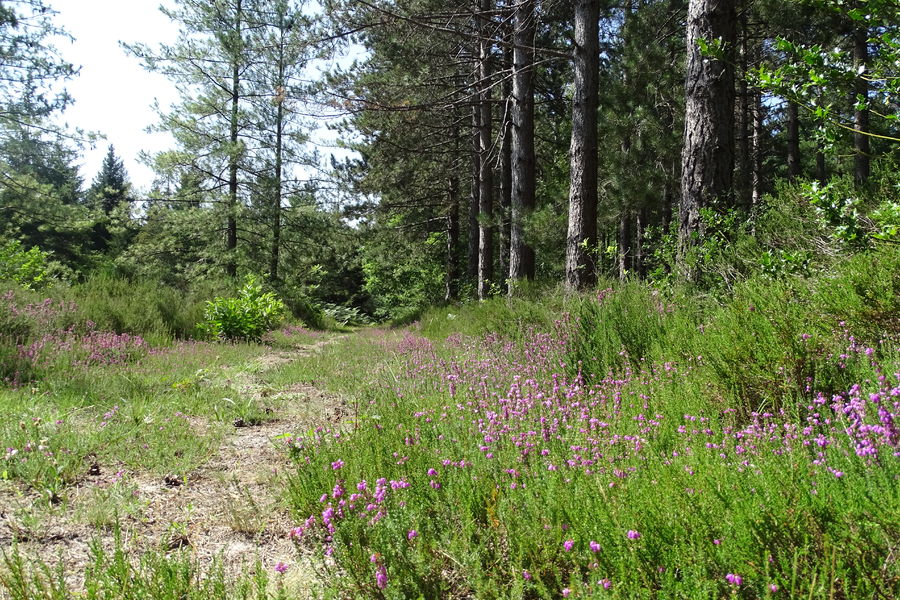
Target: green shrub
246, 317
139, 307
28, 268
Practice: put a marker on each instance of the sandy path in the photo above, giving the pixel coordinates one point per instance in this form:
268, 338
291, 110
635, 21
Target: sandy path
229, 508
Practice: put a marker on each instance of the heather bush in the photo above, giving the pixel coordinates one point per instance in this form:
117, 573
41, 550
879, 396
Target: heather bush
481, 467
152, 310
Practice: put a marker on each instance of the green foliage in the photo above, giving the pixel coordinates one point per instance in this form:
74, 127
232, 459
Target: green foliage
401, 279
346, 315
27, 268
139, 306
247, 317
812, 74
838, 211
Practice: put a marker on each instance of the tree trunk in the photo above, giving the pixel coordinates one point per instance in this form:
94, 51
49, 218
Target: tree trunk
485, 174
821, 172
522, 199
452, 258
793, 141
640, 258
745, 119
582, 234
625, 244
231, 227
758, 137
861, 111
472, 248
708, 154
505, 176
279, 149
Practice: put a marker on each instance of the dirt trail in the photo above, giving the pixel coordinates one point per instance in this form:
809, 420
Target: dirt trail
228, 508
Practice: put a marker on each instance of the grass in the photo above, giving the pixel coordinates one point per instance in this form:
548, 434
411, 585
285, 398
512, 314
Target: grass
164, 414
113, 575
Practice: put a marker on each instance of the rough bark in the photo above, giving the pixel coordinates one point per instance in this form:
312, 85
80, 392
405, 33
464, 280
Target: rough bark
505, 181
485, 174
582, 231
522, 199
275, 250
708, 152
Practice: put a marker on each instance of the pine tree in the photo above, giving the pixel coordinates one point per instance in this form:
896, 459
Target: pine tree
209, 63
110, 187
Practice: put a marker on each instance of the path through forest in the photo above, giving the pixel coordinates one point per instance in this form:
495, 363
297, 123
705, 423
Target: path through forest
229, 509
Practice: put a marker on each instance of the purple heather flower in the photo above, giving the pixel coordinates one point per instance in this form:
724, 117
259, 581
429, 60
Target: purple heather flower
526, 575
734, 579
280, 567
633, 535
568, 544
566, 592
595, 547
606, 583
337, 464
773, 588
381, 579
413, 534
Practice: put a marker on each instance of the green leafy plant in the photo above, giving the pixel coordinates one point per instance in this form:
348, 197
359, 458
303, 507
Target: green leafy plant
246, 317
28, 268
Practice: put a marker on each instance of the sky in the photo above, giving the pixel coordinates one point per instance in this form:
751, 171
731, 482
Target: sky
113, 93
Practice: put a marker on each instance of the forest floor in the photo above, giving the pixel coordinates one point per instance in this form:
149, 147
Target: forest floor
228, 509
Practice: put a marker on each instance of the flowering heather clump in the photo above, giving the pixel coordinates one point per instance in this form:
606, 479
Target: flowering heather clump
488, 444
39, 342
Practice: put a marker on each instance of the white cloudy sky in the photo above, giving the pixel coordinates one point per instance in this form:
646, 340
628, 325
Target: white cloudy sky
113, 94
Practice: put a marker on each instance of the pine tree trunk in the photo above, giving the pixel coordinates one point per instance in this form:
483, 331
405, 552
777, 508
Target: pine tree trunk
793, 141
640, 227
861, 113
505, 182
708, 154
582, 231
522, 199
275, 250
744, 125
485, 174
758, 136
625, 243
821, 171
452, 257
231, 227
474, 207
